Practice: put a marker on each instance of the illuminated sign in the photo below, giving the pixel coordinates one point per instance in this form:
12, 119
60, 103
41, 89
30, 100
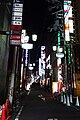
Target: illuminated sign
15, 37
68, 21
17, 5
26, 57
17, 18
17, 9
71, 30
54, 87
58, 37
16, 23
16, 27
27, 46
17, 14
15, 42
40, 73
43, 56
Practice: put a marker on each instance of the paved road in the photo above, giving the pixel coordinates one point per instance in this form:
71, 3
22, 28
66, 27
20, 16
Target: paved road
39, 105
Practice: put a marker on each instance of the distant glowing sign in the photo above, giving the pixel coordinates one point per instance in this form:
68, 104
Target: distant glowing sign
26, 57
34, 37
54, 87
71, 30
27, 46
43, 56
68, 19
16, 22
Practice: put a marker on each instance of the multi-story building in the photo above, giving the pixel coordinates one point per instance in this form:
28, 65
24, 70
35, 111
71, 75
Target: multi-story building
76, 45
5, 16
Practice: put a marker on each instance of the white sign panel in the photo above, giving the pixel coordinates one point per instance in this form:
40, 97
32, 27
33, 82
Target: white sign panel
15, 42
17, 18
17, 5
17, 14
18, 9
27, 46
16, 23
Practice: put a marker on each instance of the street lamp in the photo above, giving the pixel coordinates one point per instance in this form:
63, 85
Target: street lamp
25, 40
59, 55
26, 46
34, 37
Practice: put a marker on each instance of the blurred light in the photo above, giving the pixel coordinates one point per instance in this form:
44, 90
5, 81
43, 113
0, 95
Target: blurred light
33, 64
30, 68
30, 65
60, 55
54, 48
34, 37
23, 35
26, 39
60, 49
42, 47
27, 46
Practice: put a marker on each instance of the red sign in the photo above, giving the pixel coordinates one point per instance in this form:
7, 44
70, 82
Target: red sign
16, 27
15, 37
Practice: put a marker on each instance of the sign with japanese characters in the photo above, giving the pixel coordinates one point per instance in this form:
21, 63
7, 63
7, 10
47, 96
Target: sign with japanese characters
16, 22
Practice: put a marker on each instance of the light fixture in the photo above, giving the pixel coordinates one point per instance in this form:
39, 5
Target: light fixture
34, 37
59, 55
31, 68
54, 48
27, 46
60, 49
26, 39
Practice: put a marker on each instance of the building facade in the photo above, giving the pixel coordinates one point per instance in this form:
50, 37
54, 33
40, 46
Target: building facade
4, 47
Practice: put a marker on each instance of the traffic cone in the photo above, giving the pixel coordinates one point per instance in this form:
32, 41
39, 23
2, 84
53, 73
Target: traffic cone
71, 98
77, 101
7, 110
68, 102
3, 116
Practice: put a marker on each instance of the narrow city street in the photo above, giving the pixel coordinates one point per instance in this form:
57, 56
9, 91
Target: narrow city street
39, 105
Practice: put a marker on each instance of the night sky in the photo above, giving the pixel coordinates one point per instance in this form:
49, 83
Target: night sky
37, 18
34, 13
34, 21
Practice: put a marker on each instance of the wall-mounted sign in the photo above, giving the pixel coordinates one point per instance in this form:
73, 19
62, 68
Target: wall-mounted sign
17, 18
16, 23
17, 5
15, 42
17, 14
16, 32
16, 27
59, 55
17, 9
27, 46
15, 37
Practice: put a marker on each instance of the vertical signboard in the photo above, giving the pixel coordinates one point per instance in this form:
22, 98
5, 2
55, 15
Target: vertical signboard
69, 30
66, 15
16, 22
43, 57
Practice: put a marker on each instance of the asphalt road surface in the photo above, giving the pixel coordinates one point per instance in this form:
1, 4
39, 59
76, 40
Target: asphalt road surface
39, 105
